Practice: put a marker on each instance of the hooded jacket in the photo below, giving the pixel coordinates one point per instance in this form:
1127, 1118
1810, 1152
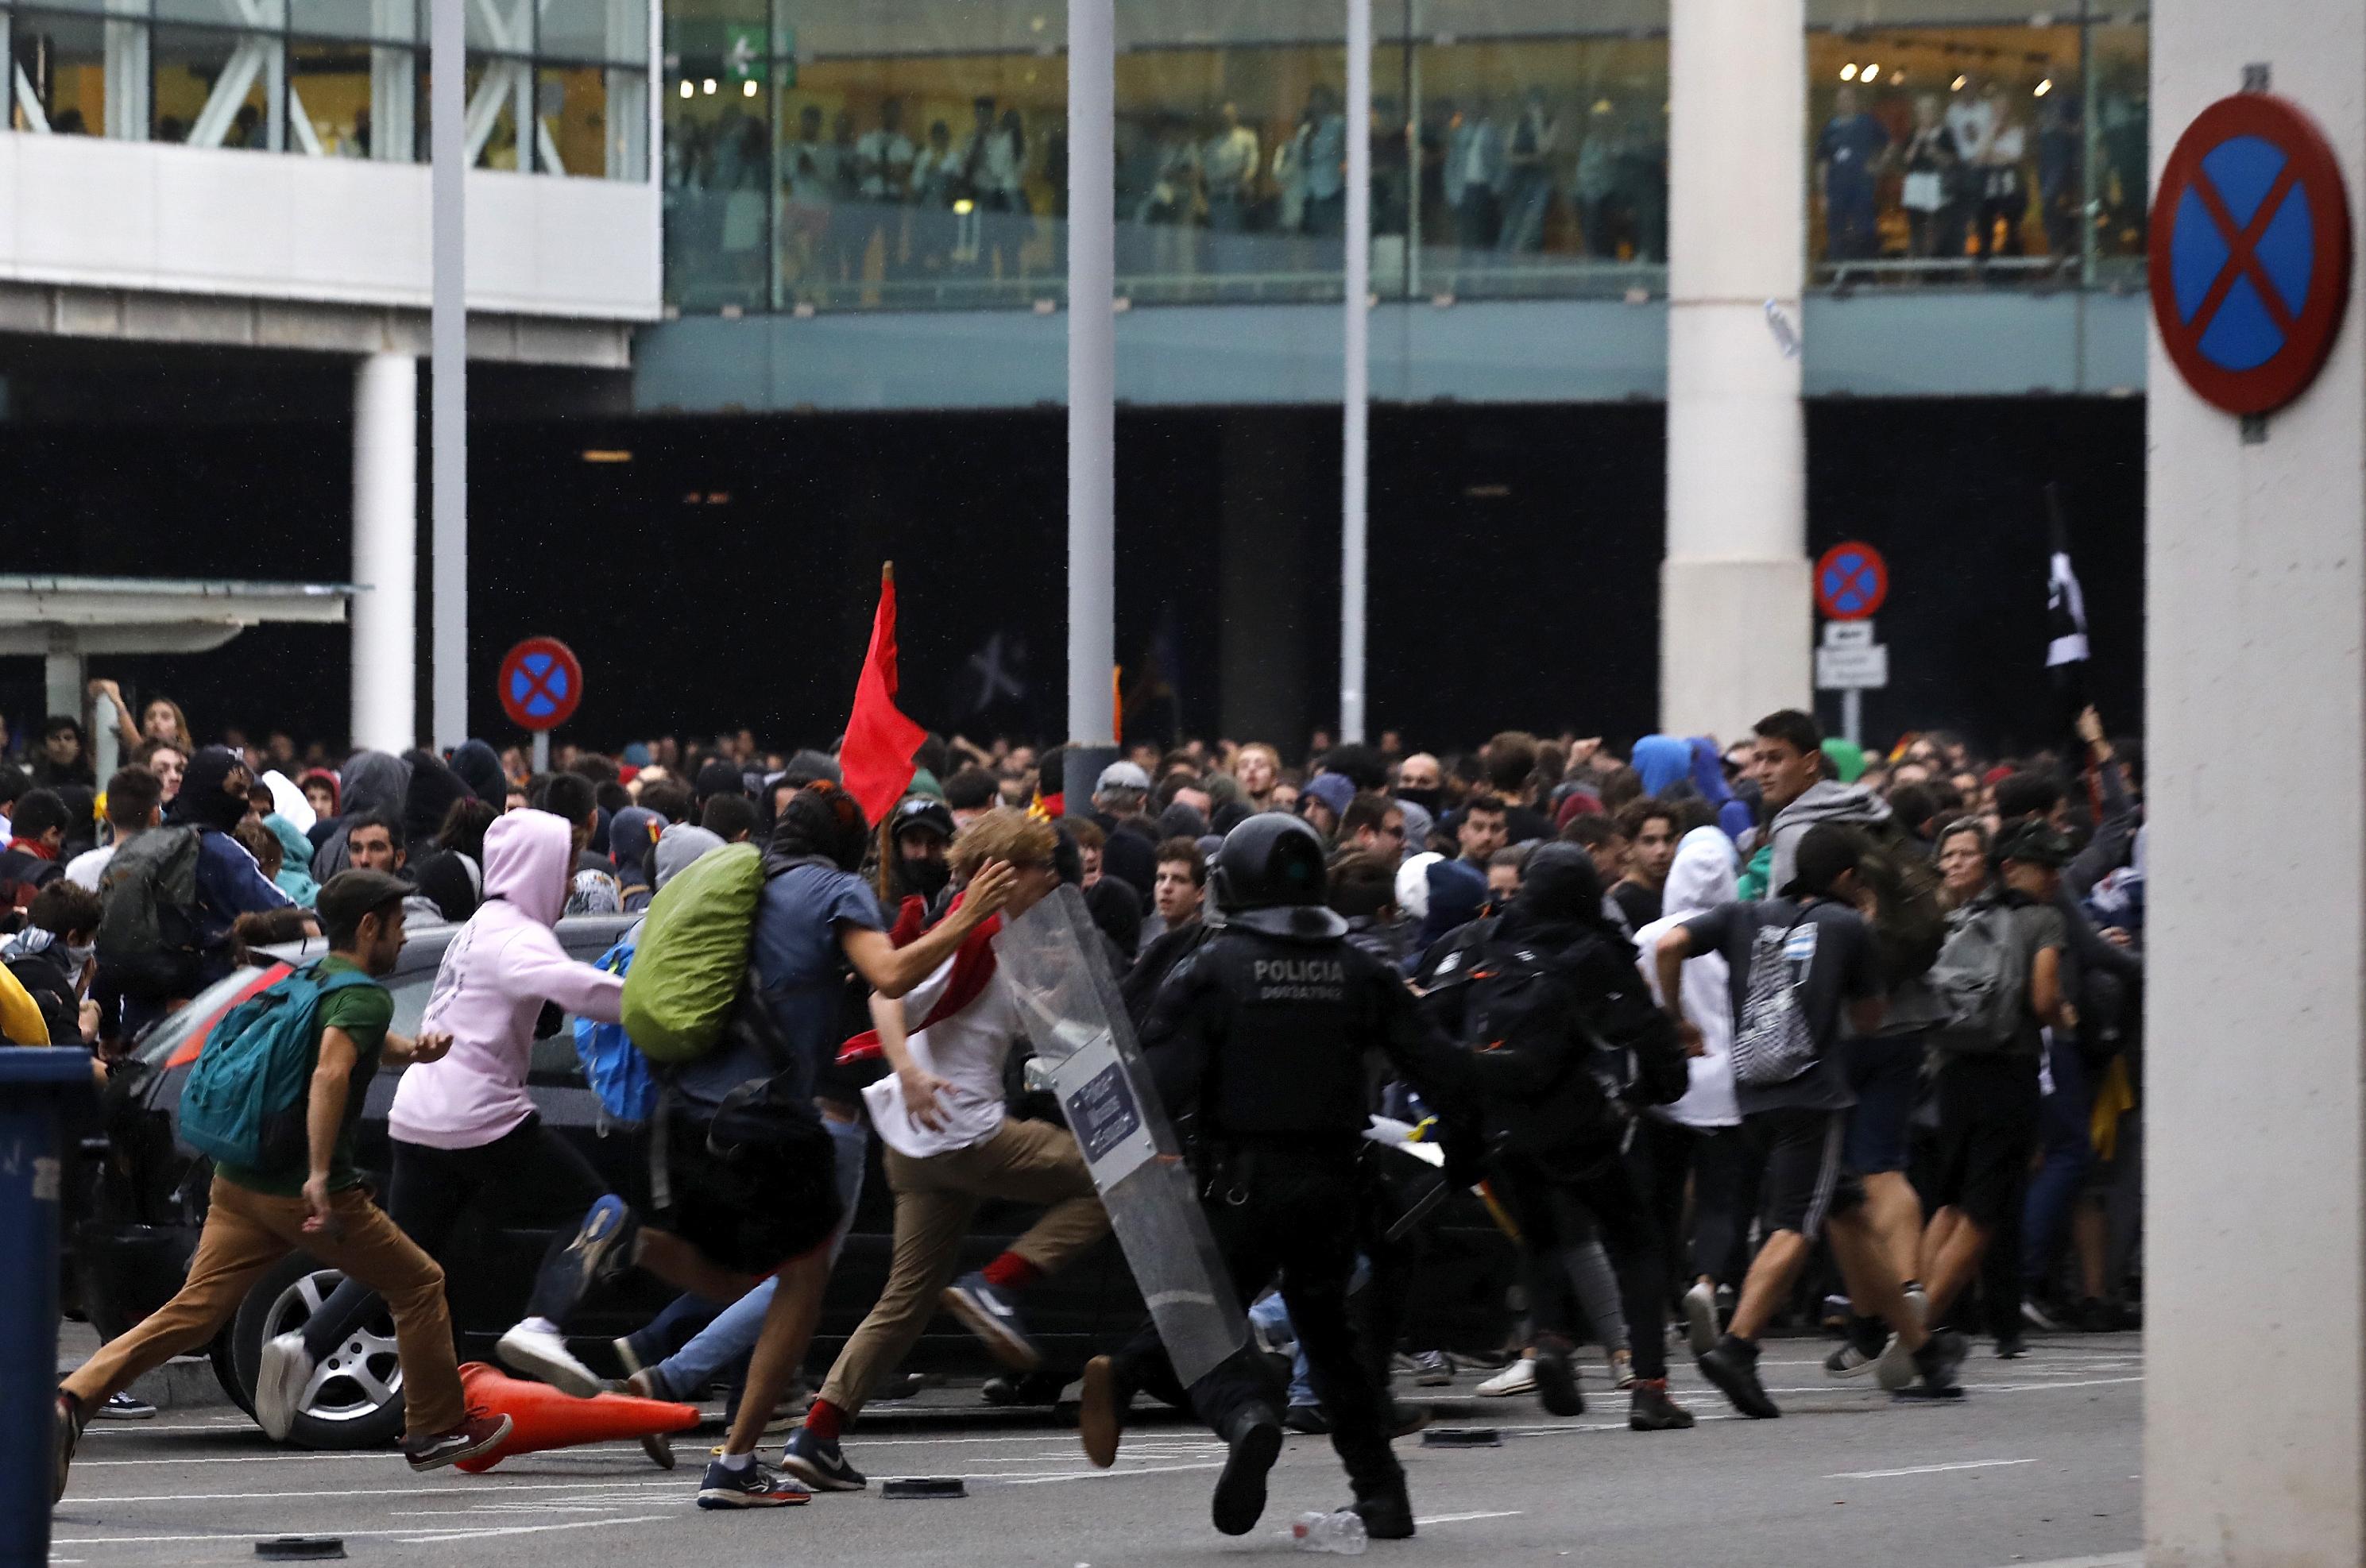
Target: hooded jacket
428, 798
371, 781
1824, 801
1702, 878
1733, 813
498, 970
480, 768
1662, 760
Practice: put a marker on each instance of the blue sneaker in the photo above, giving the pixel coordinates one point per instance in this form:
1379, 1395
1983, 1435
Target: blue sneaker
602, 1248
816, 1460
753, 1487
989, 1313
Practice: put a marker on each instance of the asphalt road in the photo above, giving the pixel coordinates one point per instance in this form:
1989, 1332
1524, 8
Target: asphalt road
2037, 1464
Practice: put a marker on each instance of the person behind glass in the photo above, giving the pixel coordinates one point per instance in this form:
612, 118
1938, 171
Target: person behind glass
809, 167
2061, 196
1931, 165
1327, 164
850, 224
1228, 174
1528, 183
2001, 199
884, 158
1593, 186
1264, 1033
1474, 178
936, 176
1850, 156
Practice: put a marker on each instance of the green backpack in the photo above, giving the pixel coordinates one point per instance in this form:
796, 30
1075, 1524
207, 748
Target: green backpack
246, 1099
692, 956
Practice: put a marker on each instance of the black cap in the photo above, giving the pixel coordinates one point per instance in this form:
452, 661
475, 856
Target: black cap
350, 895
1827, 852
2033, 843
926, 814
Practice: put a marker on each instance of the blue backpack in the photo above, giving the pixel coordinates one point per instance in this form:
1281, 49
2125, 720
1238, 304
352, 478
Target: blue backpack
246, 1099
619, 1074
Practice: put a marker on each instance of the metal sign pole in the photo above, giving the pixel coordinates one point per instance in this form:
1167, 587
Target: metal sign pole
1853, 715
1092, 377
1354, 512
448, 350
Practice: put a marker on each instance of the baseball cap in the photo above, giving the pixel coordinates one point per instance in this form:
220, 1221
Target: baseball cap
1123, 775
350, 895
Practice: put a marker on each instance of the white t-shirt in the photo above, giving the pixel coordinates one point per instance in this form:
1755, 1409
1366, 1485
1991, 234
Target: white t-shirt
85, 868
967, 1051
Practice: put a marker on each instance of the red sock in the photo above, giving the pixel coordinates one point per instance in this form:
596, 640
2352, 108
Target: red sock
1011, 1273
824, 1420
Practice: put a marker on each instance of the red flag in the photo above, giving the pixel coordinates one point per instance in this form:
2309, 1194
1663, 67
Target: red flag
877, 756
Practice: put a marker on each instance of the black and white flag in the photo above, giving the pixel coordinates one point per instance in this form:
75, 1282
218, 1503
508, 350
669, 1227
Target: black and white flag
2066, 604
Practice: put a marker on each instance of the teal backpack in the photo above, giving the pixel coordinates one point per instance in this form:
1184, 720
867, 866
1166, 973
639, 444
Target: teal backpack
246, 1101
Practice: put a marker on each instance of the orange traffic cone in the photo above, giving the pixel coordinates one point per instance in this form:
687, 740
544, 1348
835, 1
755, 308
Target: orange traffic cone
542, 1418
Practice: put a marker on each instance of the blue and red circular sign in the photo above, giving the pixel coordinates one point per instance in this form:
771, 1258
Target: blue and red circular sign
541, 683
2250, 254
1851, 581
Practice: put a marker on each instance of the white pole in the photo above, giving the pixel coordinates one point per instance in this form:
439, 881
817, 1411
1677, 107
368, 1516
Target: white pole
1355, 411
385, 614
1852, 716
448, 338
1092, 375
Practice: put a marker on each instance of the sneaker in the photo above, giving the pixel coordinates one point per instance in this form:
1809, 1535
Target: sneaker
1100, 1411
1042, 1386
1387, 1512
1622, 1370
602, 1247
647, 1382
1432, 1369
989, 1315
1859, 1352
1650, 1409
125, 1407
2037, 1318
66, 1431
1520, 1377
1557, 1388
279, 1383
2011, 1346
659, 1448
1306, 1419
479, 1434
1936, 1362
626, 1356
538, 1351
1895, 1368
1254, 1439
1732, 1365
1700, 1318
816, 1460
755, 1486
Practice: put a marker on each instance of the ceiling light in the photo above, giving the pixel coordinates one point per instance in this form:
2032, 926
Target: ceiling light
606, 454
707, 85
747, 90
685, 87
1957, 85
2044, 87
1848, 71
1871, 72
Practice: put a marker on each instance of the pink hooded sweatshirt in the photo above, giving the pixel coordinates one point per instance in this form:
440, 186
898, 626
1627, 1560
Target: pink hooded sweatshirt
500, 968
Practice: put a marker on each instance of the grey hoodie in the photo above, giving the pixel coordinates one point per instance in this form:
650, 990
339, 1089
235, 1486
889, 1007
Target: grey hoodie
1826, 801
369, 781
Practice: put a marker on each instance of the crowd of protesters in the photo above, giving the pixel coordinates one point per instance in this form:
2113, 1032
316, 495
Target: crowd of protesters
1897, 990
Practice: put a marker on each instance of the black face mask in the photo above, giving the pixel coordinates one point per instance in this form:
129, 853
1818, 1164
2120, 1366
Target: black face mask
925, 877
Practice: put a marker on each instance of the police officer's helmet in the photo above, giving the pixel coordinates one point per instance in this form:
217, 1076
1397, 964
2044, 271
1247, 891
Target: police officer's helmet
1269, 875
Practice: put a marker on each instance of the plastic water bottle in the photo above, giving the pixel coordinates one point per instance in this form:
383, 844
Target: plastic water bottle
1342, 1532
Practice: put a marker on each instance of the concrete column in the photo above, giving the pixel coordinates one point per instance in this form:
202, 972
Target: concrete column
1092, 375
386, 563
2255, 1088
62, 676
1734, 591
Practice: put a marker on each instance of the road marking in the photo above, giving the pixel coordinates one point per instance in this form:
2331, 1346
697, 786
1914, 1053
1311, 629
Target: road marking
411, 1535
1097, 1474
1926, 1469
276, 1456
444, 1491
1465, 1518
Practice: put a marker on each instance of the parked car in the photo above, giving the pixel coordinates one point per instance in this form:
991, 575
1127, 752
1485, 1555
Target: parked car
140, 1197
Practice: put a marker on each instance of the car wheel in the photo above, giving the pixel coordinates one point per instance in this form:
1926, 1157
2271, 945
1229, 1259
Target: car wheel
355, 1399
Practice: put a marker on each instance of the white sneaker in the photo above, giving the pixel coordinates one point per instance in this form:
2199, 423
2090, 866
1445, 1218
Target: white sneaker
279, 1383
1700, 1318
1520, 1377
1895, 1369
543, 1354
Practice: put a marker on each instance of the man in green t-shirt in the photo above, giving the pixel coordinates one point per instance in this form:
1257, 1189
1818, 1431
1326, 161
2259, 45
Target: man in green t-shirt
256, 1218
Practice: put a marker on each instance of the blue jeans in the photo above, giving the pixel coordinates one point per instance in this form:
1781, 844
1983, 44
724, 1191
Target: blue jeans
725, 1342
2063, 1129
1272, 1315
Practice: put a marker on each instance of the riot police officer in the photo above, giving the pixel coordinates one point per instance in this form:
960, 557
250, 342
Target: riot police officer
1261, 1035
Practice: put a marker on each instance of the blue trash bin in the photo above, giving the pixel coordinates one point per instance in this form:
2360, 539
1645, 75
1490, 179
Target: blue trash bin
39, 1089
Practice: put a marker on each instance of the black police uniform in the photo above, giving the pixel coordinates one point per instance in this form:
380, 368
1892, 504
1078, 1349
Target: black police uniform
1263, 1033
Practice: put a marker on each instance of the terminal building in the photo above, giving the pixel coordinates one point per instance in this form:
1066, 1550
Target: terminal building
763, 292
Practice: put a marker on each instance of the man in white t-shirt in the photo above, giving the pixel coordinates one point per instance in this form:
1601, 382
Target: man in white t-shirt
947, 1145
134, 798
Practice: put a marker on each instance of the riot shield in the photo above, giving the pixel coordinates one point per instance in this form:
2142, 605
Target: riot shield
1052, 957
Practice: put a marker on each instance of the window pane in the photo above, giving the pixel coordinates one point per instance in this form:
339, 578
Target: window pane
594, 122
1544, 165
330, 86
2119, 111
390, 21
63, 58
1938, 150
500, 94
213, 88
499, 26
247, 14
717, 202
615, 30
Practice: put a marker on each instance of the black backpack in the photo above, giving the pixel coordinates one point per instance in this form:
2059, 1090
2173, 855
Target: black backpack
149, 948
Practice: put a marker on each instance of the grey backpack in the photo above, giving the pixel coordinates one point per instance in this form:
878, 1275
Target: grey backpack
1981, 980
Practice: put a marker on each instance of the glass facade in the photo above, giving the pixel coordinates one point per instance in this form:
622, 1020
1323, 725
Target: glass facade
560, 87
821, 156
1946, 145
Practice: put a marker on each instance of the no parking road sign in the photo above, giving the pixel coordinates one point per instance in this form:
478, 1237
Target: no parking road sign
2250, 254
1851, 581
541, 684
